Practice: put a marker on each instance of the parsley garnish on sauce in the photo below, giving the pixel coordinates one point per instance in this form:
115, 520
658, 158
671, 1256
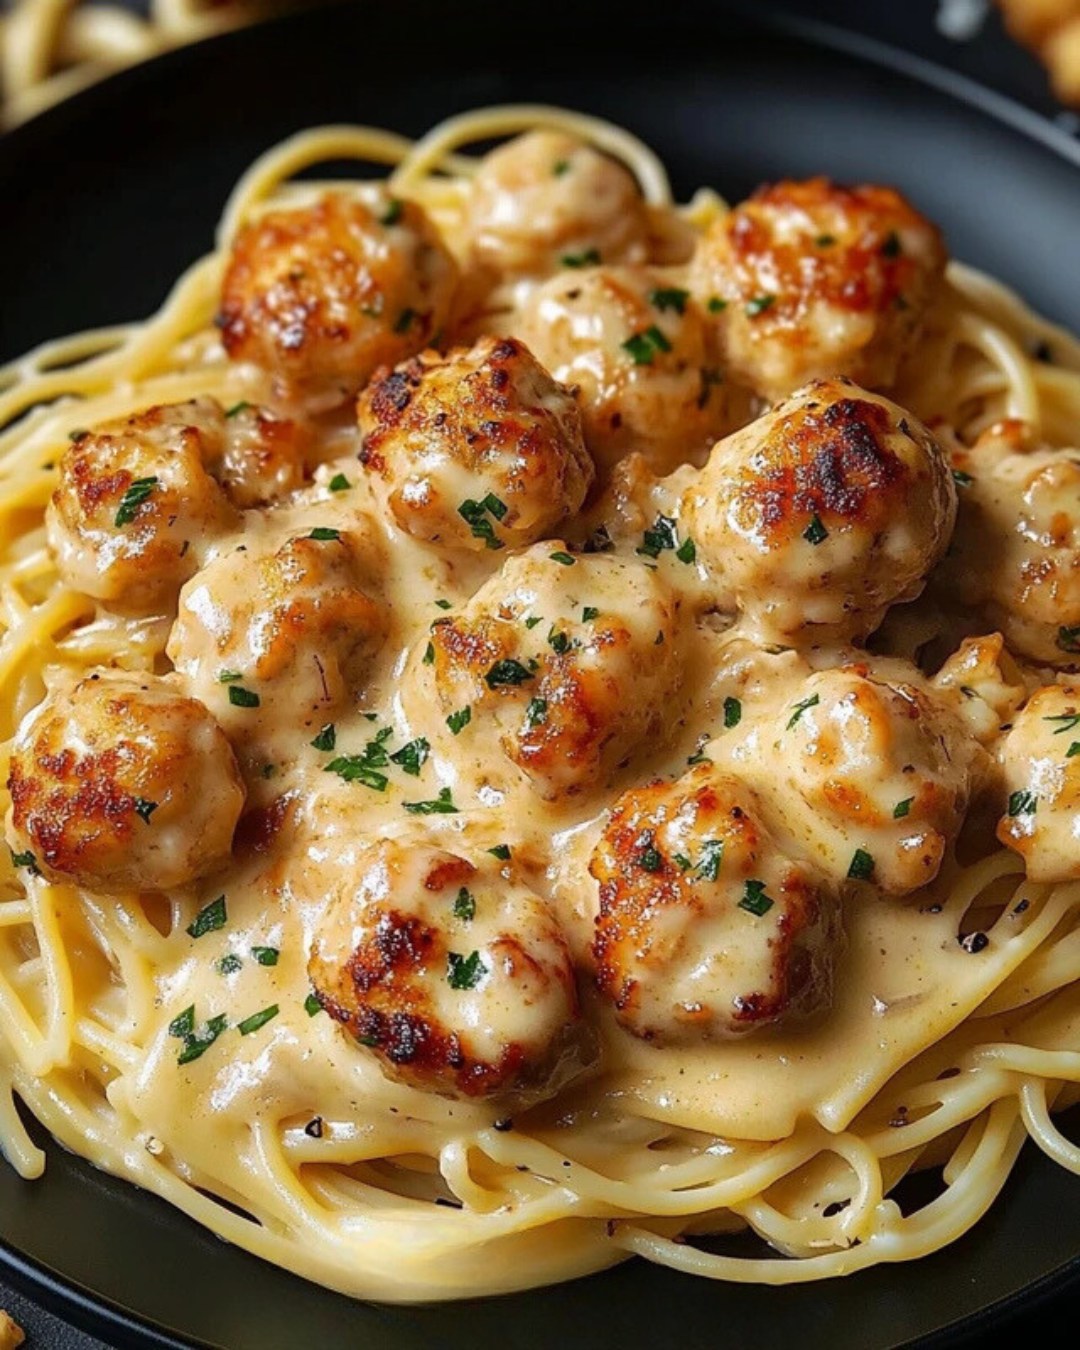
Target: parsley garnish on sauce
266, 956
339, 483
458, 721
590, 257
759, 304
669, 297
240, 697
327, 738
1023, 803
754, 900
443, 805
464, 972
144, 808
257, 1020
901, 809
411, 757
465, 905
210, 918
507, 672
132, 499
643, 346
732, 712
815, 533
800, 708
501, 851
476, 514
862, 865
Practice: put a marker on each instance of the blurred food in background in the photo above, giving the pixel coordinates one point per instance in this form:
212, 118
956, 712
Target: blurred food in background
1051, 28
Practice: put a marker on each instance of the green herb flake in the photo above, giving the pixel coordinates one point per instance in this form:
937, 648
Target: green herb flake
815, 533
669, 297
962, 479
196, 1045
429, 654
393, 213
26, 860
558, 642
323, 534
901, 809
589, 257
712, 855
312, 1006
266, 956
687, 551
565, 559
443, 805
1023, 803
716, 305
532, 620
507, 672
144, 809
589, 613
644, 346
458, 721
465, 905
411, 757
229, 964
1073, 749
476, 515
536, 713
825, 240
240, 697
238, 408
228, 676
660, 537
650, 859
257, 1020
1067, 722
560, 167
800, 708
183, 1024
754, 899
683, 862
209, 919
464, 972
132, 499
444, 604
732, 712
339, 483
861, 867
500, 851
327, 738
358, 769
759, 304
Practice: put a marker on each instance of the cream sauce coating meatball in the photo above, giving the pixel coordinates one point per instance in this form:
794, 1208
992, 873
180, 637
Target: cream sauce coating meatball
546, 197
984, 683
706, 928
264, 456
568, 661
1041, 763
321, 295
136, 507
271, 638
1017, 545
480, 449
821, 514
122, 783
874, 776
638, 351
812, 279
454, 974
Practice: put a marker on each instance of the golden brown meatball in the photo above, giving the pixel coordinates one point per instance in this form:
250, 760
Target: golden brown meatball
635, 346
810, 279
264, 456
566, 660
1041, 762
136, 508
122, 783
321, 295
822, 513
479, 449
454, 974
1016, 551
984, 684
706, 928
546, 200
874, 776
267, 638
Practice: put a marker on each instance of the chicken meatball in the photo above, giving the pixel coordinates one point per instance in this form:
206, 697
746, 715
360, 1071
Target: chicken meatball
480, 449
706, 929
321, 295
136, 508
984, 683
875, 776
810, 279
821, 514
568, 661
1041, 763
454, 974
637, 350
121, 783
268, 638
547, 200
1017, 546
264, 456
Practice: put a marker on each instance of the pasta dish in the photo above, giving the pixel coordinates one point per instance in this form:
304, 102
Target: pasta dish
541, 724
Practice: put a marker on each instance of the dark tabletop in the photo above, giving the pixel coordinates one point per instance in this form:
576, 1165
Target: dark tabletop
920, 26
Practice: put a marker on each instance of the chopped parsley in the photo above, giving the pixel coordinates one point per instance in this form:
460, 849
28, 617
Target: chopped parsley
558, 642
901, 809
196, 1043
825, 240
210, 918
687, 551
661, 536
339, 483
669, 297
962, 479
507, 672
1023, 803
228, 676
358, 769
145, 809
759, 304
465, 905
394, 209
266, 956
800, 708
183, 1024
312, 1006
643, 346
323, 534
327, 738
732, 712
649, 859
589, 613
257, 1020
891, 247
240, 697
1073, 749
411, 757
560, 167
444, 604
443, 805
238, 408
532, 620
500, 851
1067, 720
754, 899
458, 721
716, 305
464, 972
683, 862
229, 964
26, 860
476, 514
861, 867
712, 855
566, 559
429, 654
815, 533
587, 258
132, 499
536, 713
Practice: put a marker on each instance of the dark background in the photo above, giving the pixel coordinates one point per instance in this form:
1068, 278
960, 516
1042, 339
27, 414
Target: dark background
988, 57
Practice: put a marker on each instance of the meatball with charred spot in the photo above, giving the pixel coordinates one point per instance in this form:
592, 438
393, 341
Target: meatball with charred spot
136, 508
321, 295
122, 783
817, 517
706, 928
635, 347
547, 200
568, 662
478, 449
453, 974
809, 279
1041, 798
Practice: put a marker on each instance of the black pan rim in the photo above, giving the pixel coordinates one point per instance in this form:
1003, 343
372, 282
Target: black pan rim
105, 1317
